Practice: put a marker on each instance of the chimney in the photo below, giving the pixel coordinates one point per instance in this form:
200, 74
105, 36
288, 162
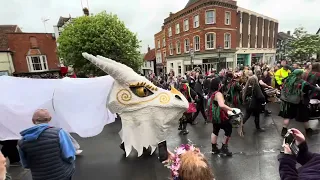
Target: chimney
170, 14
288, 32
86, 11
148, 48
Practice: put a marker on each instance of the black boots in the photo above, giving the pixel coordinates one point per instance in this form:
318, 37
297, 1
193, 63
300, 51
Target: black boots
257, 123
215, 149
223, 151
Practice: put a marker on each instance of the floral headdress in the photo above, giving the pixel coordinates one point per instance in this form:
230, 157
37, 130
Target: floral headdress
174, 162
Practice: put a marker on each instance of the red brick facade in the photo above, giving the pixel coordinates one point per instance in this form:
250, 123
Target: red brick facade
219, 28
22, 45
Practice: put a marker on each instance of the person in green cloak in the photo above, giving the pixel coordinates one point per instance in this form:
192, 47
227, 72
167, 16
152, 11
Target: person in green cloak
295, 99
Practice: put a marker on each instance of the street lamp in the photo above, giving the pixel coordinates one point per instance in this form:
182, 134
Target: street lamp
219, 53
191, 56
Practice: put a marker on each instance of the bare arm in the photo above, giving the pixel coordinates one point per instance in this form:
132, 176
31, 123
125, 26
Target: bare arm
264, 84
220, 100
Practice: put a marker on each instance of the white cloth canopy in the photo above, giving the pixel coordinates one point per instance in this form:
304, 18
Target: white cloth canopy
76, 105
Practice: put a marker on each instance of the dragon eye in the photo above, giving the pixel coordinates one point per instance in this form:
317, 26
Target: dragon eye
141, 91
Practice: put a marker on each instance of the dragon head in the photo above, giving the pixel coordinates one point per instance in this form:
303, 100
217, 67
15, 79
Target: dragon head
145, 109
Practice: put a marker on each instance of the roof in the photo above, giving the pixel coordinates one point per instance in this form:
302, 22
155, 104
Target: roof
190, 2
63, 20
4, 30
150, 55
283, 36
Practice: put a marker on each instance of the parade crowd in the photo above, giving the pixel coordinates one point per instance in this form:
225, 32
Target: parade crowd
49, 152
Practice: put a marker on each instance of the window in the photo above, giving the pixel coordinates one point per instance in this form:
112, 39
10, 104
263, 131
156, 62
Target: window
249, 40
210, 40
37, 63
178, 47
196, 42
171, 65
196, 21
163, 42
186, 25
179, 68
158, 58
169, 32
177, 28
186, 45
228, 18
170, 49
158, 44
210, 17
227, 40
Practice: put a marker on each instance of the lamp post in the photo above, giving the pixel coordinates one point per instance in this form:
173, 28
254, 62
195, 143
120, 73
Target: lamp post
219, 53
191, 56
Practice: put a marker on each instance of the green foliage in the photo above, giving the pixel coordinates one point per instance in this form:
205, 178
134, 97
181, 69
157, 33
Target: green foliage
304, 45
101, 34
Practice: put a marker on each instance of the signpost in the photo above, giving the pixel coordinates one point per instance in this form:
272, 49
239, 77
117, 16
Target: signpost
191, 57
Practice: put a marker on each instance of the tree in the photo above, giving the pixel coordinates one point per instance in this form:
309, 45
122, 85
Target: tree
101, 34
304, 45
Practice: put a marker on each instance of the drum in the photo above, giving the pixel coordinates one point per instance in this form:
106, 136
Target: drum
314, 108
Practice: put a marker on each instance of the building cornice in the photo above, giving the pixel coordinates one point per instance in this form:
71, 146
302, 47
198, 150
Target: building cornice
256, 14
196, 6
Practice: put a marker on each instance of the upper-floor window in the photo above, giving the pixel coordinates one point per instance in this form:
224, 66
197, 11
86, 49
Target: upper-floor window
227, 18
37, 63
158, 44
158, 58
170, 49
196, 42
163, 42
186, 45
210, 16
196, 21
186, 25
227, 41
178, 47
170, 32
177, 28
210, 40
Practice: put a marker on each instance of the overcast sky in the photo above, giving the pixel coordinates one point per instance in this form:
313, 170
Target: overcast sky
145, 17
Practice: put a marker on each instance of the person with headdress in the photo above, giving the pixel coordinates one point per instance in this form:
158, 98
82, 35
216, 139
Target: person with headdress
295, 100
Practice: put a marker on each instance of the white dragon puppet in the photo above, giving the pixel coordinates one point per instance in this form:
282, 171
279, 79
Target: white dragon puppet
84, 106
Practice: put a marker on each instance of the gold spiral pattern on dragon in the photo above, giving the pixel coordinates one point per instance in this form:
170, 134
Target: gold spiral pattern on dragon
124, 95
164, 98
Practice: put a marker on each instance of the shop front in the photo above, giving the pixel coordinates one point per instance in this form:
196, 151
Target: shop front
243, 59
256, 58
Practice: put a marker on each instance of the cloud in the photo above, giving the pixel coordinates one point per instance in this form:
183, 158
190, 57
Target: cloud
145, 17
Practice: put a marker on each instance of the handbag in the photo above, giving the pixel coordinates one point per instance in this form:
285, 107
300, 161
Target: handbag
192, 108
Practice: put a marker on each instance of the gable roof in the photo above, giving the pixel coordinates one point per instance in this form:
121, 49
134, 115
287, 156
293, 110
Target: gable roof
4, 30
63, 20
150, 55
283, 36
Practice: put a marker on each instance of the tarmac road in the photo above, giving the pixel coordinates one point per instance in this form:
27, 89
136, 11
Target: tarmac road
255, 156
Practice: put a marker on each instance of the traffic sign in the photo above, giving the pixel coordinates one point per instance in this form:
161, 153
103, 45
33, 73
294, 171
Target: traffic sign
191, 52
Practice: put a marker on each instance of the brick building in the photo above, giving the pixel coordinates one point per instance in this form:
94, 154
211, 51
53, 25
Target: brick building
213, 30
6, 65
160, 46
33, 53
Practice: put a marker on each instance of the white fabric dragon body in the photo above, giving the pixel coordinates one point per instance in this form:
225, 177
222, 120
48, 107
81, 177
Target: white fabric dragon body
85, 106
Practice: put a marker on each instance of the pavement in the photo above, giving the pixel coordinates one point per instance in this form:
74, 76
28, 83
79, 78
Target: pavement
255, 155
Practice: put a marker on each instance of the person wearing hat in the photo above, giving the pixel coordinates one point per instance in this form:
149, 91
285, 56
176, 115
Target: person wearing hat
46, 150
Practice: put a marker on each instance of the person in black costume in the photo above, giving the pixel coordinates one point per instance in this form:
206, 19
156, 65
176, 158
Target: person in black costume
253, 99
200, 101
9, 149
